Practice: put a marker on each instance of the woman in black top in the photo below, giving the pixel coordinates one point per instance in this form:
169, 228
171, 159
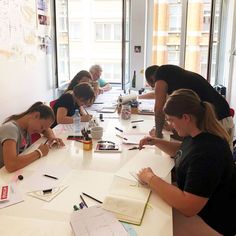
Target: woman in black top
205, 171
65, 106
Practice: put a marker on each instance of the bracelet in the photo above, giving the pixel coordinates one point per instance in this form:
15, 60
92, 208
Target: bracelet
149, 184
40, 152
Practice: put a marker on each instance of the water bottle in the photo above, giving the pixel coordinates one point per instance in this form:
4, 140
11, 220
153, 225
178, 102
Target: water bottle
76, 121
133, 82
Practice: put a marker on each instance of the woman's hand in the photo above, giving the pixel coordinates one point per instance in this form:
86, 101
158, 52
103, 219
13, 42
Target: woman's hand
147, 141
52, 142
145, 175
152, 132
44, 148
86, 118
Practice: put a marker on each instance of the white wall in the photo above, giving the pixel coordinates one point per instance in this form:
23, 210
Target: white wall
25, 80
137, 38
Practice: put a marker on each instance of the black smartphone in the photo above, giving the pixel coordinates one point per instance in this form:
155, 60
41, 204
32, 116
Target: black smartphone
75, 137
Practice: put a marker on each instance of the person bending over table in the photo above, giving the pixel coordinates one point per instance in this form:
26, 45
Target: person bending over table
168, 78
65, 106
15, 136
204, 167
82, 76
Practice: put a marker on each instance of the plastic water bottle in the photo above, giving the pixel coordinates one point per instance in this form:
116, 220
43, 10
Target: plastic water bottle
76, 121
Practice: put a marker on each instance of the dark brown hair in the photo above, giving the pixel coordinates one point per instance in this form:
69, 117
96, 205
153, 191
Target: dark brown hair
45, 112
84, 91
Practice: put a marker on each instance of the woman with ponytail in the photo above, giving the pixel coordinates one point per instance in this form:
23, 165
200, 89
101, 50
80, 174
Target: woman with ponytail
15, 136
204, 167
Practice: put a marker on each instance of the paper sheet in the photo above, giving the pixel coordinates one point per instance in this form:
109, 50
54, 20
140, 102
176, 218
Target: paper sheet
161, 164
95, 221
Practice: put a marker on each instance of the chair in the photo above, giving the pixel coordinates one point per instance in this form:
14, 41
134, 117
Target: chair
52, 103
231, 111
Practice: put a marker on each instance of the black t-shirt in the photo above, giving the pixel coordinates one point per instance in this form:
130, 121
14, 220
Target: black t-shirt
66, 100
205, 167
178, 78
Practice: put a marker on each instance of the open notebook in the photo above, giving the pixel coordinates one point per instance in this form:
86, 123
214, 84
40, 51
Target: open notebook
127, 199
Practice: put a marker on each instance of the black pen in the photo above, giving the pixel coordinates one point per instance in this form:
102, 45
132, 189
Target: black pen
83, 200
46, 141
136, 121
85, 194
50, 176
119, 129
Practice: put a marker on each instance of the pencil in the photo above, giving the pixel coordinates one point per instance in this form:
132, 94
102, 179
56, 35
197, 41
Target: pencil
121, 137
85, 194
83, 200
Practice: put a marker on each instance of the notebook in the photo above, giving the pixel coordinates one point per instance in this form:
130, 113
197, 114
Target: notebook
127, 199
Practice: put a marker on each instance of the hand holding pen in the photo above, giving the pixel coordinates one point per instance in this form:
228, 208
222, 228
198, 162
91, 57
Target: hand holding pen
52, 142
146, 141
43, 150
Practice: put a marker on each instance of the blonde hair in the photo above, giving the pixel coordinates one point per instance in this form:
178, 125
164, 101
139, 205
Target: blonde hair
95, 68
186, 101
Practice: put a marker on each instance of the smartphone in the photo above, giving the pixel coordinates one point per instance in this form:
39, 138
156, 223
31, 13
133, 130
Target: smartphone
108, 147
75, 137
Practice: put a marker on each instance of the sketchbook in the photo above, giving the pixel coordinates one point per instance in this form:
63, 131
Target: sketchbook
96, 221
127, 199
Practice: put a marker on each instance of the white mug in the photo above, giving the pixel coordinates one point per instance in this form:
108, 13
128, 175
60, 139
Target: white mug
96, 132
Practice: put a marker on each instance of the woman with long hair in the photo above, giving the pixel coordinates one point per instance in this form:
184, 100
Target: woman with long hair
204, 167
15, 136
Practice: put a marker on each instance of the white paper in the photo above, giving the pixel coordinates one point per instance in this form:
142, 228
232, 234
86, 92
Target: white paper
161, 164
37, 181
95, 221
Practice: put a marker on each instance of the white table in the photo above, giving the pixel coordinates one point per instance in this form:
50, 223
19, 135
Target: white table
87, 172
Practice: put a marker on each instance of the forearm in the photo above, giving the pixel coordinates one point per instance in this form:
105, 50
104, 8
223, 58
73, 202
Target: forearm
167, 146
65, 120
159, 123
172, 195
21, 161
49, 133
150, 95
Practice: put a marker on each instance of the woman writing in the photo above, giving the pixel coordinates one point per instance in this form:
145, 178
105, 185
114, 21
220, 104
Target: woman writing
15, 136
205, 171
65, 106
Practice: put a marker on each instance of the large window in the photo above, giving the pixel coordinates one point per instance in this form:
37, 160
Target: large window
182, 31
89, 32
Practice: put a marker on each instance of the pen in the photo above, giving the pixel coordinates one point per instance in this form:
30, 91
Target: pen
50, 176
121, 137
85, 194
135, 121
46, 141
83, 201
119, 129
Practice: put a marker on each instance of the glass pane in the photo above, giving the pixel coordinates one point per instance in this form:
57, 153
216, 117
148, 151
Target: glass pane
166, 32
197, 41
99, 34
62, 42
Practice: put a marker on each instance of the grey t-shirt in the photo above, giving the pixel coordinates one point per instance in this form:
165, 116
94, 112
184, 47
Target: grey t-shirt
12, 131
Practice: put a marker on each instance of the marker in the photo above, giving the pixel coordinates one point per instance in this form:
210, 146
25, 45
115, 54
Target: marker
136, 121
46, 191
85, 194
121, 137
119, 129
75, 208
83, 200
81, 205
50, 176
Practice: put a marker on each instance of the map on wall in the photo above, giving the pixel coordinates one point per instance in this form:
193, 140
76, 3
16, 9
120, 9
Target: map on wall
18, 29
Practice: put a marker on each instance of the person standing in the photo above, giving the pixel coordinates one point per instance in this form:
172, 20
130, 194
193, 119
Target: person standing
169, 78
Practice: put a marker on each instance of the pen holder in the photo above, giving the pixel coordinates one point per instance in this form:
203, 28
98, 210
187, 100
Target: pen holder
87, 145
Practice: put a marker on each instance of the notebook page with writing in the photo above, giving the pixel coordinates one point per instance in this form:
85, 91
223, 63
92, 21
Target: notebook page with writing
96, 221
127, 199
